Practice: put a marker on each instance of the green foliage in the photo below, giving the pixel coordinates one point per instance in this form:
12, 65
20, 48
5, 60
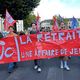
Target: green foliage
78, 19
29, 19
18, 8
65, 20
51, 23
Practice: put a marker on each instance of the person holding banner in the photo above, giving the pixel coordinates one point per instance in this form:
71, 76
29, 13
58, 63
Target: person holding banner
64, 59
36, 62
12, 65
62, 26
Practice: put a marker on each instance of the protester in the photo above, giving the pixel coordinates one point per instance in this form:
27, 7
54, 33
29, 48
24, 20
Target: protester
48, 29
62, 26
12, 65
36, 62
64, 59
21, 33
42, 29
69, 25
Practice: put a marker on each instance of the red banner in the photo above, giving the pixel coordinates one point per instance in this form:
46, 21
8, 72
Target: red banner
38, 46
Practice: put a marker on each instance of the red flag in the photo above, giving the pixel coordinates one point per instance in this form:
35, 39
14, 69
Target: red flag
38, 22
55, 25
9, 21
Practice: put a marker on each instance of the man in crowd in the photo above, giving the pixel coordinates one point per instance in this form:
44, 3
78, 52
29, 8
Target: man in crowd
36, 62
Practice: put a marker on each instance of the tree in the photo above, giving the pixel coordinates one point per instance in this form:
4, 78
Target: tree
29, 19
18, 8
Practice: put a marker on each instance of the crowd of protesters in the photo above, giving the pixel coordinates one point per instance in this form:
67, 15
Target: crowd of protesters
10, 33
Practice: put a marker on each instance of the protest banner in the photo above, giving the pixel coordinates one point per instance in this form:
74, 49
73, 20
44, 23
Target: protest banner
40, 46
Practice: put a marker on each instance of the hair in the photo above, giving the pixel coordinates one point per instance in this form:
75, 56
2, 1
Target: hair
21, 33
33, 23
10, 27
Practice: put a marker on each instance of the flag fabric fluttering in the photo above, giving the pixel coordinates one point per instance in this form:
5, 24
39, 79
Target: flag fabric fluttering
38, 23
55, 25
60, 18
74, 23
9, 21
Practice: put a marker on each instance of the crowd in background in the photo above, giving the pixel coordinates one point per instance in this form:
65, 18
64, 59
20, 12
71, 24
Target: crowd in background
10, 33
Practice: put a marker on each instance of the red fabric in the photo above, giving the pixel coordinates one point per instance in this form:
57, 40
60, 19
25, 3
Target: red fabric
29, 48
55, 25
9, 21
38, 23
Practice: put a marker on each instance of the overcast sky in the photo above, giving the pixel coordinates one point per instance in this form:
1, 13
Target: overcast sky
66, 8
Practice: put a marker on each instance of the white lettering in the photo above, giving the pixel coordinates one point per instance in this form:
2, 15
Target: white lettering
68, 36
47, 37
28, 39
54, 36
39, 36
78, 33
2, 52
73, 35
8, 55
21, 40
61, 34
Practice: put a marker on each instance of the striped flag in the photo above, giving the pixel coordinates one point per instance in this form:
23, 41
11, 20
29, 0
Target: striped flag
9, 21
60, 18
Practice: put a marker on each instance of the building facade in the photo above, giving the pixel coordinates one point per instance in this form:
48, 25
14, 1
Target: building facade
46, 24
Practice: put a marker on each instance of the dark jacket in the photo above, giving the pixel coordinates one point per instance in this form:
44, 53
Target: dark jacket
1, 36
33, 32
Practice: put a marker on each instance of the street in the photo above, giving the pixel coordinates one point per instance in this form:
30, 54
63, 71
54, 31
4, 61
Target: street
50, 70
